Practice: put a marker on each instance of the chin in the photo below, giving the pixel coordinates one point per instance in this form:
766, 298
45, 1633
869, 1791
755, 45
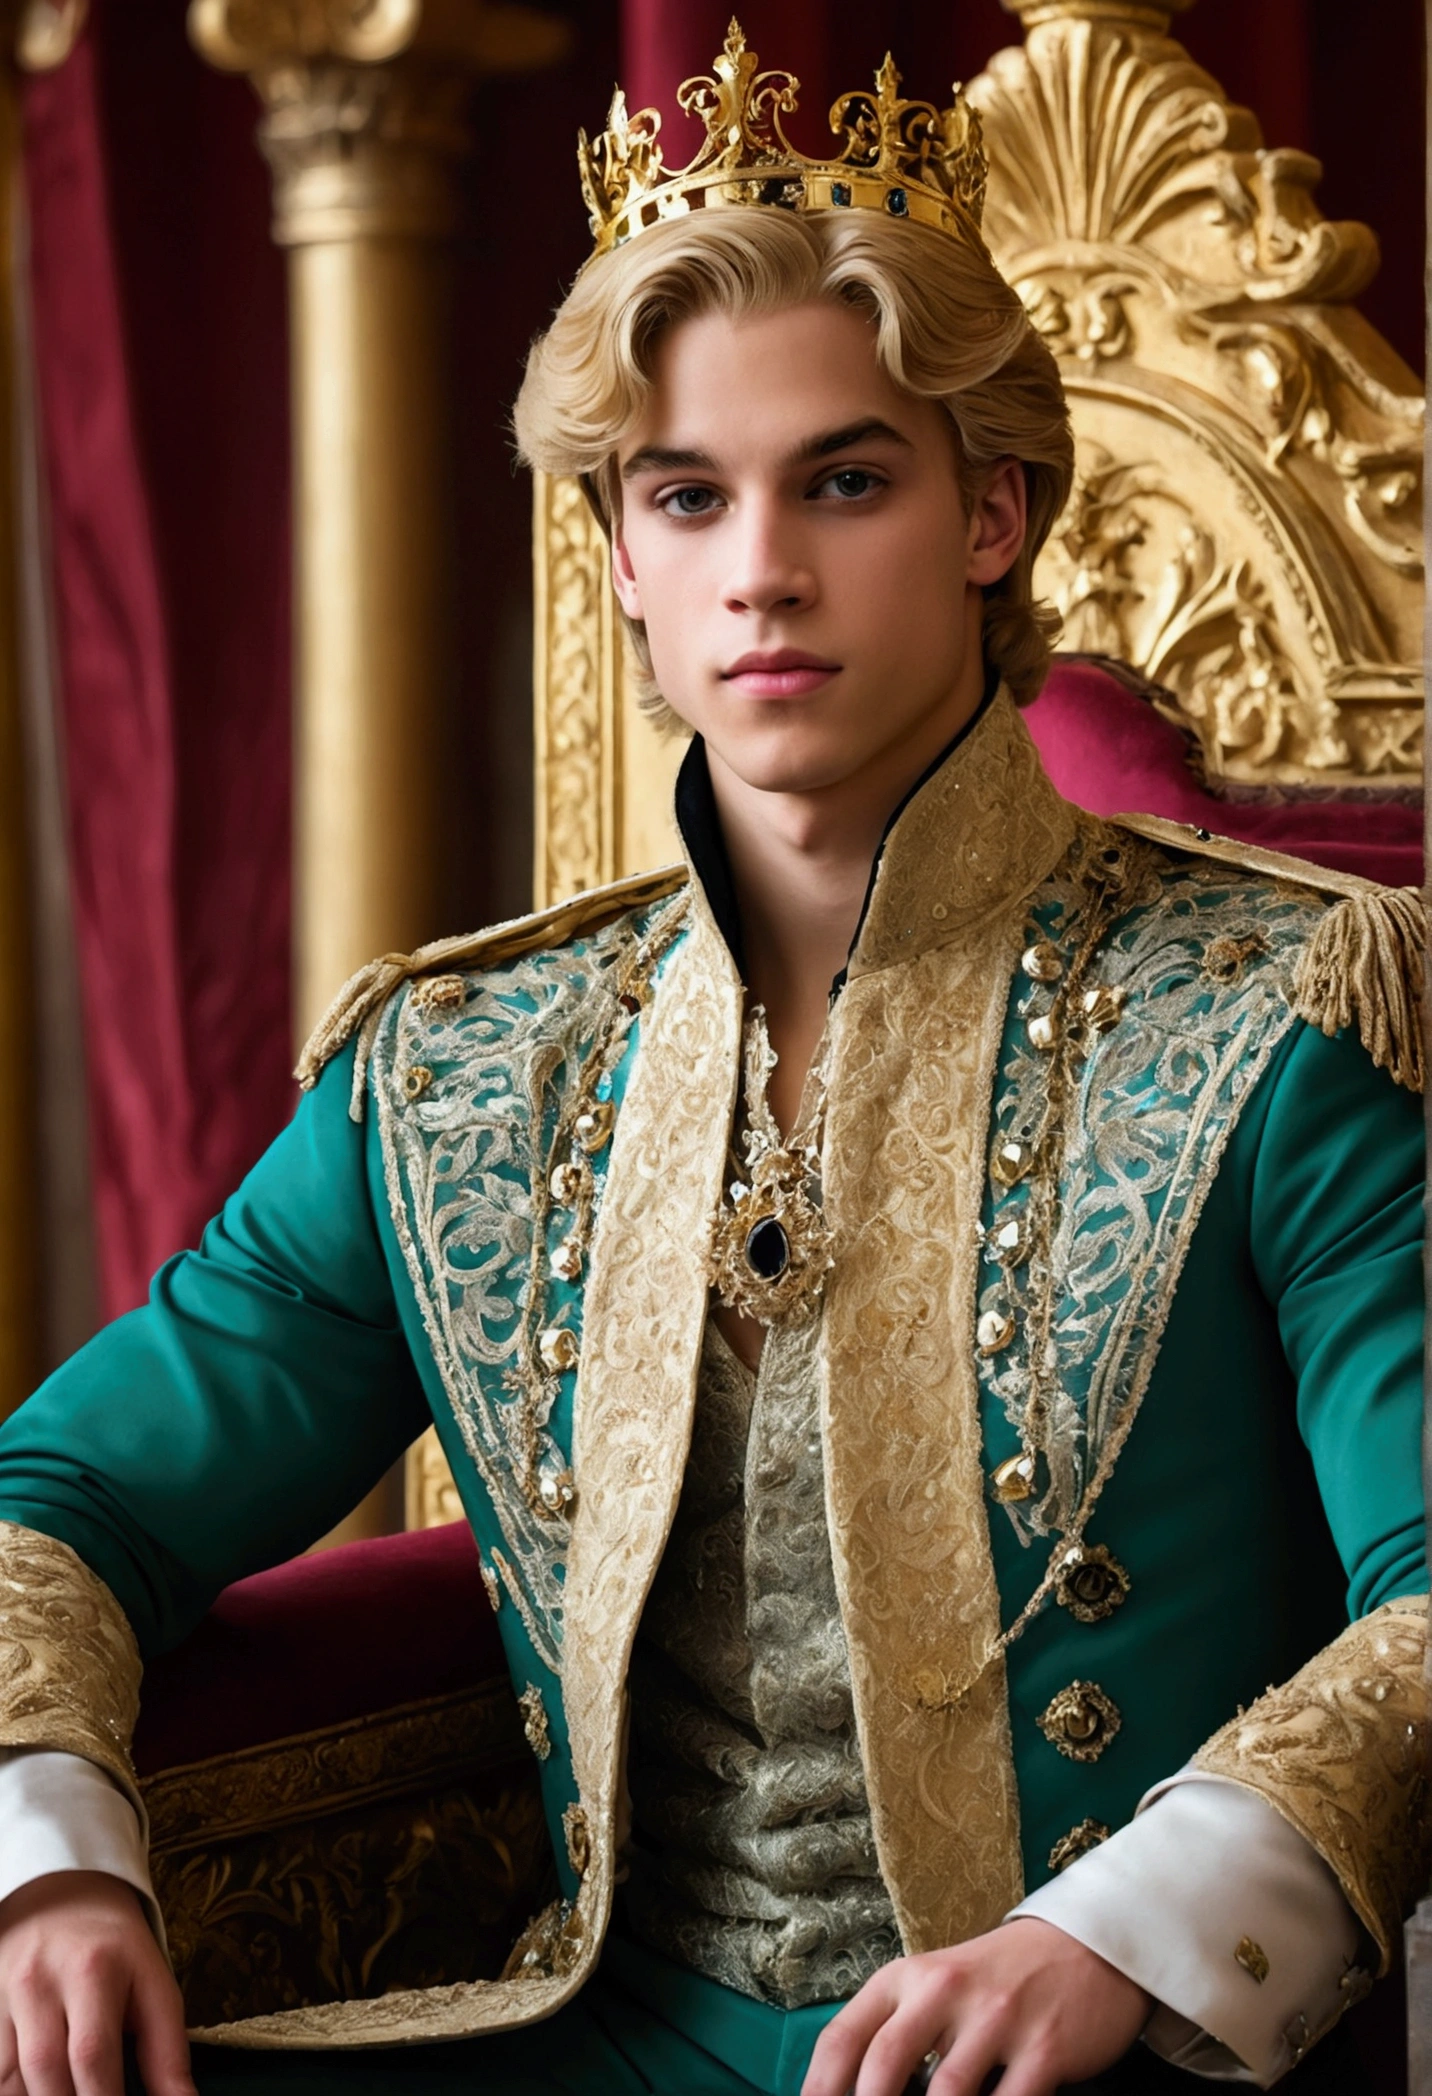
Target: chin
789, 762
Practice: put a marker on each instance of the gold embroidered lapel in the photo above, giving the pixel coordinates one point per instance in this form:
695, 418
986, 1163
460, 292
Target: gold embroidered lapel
636, 1388
912, 1076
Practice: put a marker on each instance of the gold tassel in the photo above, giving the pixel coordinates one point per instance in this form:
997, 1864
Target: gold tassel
1365, 962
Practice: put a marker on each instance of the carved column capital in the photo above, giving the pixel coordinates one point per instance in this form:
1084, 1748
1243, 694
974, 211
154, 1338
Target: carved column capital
365, 102
41, 33
1129, 14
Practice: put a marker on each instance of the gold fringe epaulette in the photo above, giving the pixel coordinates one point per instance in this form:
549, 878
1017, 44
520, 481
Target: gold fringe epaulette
364, 995
1365, 962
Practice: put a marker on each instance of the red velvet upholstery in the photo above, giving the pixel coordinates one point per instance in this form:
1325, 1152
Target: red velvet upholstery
1106, 748
351, 1631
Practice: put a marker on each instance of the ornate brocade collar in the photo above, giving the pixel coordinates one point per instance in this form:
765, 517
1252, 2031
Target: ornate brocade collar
982, 828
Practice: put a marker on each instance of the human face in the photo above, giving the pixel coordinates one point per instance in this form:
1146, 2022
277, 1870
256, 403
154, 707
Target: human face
794, 538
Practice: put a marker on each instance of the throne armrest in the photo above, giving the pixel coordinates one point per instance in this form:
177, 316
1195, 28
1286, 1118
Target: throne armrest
340, 1795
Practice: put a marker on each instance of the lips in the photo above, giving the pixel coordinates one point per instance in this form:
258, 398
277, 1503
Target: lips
779, 673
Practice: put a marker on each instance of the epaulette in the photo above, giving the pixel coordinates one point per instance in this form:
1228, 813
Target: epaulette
363, 996
1363, 963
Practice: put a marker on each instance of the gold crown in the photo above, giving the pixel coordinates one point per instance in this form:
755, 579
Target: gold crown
905, 159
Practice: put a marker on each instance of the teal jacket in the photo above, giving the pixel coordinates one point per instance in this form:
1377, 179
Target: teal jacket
1268, 1382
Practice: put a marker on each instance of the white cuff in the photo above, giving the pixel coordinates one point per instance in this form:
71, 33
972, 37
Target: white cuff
1207, 1889
61, 1812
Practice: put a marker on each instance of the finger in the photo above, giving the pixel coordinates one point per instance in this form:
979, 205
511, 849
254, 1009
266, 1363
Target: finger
901, 2045
841, 2045
156, 2017
10, 2084
96, 2057
42, 2047
1035, 2073
1028, 2067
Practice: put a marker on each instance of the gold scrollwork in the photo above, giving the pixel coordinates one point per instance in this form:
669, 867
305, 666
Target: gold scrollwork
576, 695
1246, 529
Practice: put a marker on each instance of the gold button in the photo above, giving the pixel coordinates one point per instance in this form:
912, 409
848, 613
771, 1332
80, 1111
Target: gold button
1010, 1162
1041, 962
417, 1081
1009, 1241
1076, 1843
1091, 1583
565, 1185
593, 1127
557, 1491
1103, 1008
559, 1349
1043, 1031
578, 1838
994, 1331
438, 993
534, 1721
1013, 1479
566, 1261
1253, 1958
1080, 1721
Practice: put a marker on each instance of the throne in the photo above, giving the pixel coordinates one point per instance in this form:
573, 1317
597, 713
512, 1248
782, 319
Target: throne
1239, 572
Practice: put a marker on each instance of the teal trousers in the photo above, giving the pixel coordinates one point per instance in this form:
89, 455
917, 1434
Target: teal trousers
645, 2027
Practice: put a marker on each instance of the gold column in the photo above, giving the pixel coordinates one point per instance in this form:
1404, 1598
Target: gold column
35, 37
364, 127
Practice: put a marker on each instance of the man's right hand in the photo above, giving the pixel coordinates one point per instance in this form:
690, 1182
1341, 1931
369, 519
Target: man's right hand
78, 1968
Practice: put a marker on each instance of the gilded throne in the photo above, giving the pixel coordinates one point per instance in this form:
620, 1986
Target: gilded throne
1239, 572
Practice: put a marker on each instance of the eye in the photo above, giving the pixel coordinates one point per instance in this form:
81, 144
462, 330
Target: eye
687, 502
850, 484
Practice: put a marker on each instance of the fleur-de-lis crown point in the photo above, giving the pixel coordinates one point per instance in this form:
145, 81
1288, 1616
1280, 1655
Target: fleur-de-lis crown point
905, 159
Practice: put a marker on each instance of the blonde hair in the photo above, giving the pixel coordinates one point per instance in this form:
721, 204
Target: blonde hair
947, 328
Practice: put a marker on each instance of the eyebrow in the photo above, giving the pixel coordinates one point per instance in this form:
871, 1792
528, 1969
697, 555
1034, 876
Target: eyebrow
656, 458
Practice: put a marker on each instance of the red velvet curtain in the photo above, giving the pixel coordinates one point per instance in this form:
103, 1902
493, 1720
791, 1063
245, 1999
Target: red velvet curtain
158, 321
160, 362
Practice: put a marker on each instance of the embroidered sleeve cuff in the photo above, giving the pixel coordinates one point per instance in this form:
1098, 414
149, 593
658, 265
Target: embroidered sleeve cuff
1222, 1912
60, 1812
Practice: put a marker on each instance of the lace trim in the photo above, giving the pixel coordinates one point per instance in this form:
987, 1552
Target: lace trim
69, 1665
915, 1049
1205, 964
1341, 1751
503, 1059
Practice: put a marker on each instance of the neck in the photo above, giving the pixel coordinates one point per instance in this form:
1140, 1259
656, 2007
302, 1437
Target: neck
800, 865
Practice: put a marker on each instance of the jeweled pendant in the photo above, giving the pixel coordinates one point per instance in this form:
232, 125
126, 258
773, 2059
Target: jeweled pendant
768, 1249
772, 1249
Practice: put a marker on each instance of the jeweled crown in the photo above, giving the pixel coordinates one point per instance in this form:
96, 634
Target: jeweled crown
904, 159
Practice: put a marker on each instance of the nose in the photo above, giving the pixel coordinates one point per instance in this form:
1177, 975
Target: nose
769, 568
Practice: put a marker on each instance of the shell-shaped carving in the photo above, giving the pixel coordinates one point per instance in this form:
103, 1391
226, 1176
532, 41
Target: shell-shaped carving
1092, 136
1114, 137
238, 35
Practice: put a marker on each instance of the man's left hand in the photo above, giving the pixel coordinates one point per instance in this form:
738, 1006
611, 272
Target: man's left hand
1026, 1998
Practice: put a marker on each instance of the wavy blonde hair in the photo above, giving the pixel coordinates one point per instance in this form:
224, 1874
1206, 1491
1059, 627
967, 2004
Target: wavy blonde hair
947, 327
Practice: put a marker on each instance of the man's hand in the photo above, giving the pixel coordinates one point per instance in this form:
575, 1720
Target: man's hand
78, 1968
1026, 1998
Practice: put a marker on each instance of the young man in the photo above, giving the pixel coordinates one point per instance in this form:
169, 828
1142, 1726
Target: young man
922, 1303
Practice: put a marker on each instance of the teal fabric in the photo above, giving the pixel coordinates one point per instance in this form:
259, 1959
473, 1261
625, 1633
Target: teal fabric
1271, 1487
1272, 1480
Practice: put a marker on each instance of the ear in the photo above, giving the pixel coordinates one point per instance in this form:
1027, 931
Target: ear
998, 518
624, 580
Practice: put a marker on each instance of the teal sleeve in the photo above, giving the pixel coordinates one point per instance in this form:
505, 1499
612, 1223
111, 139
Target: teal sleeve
1336, 1223
261, 1391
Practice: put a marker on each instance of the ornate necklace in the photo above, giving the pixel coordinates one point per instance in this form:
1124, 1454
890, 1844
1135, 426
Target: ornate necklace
772, 1249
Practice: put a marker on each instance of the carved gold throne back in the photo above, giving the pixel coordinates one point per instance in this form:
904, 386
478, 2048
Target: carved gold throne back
1245, 527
